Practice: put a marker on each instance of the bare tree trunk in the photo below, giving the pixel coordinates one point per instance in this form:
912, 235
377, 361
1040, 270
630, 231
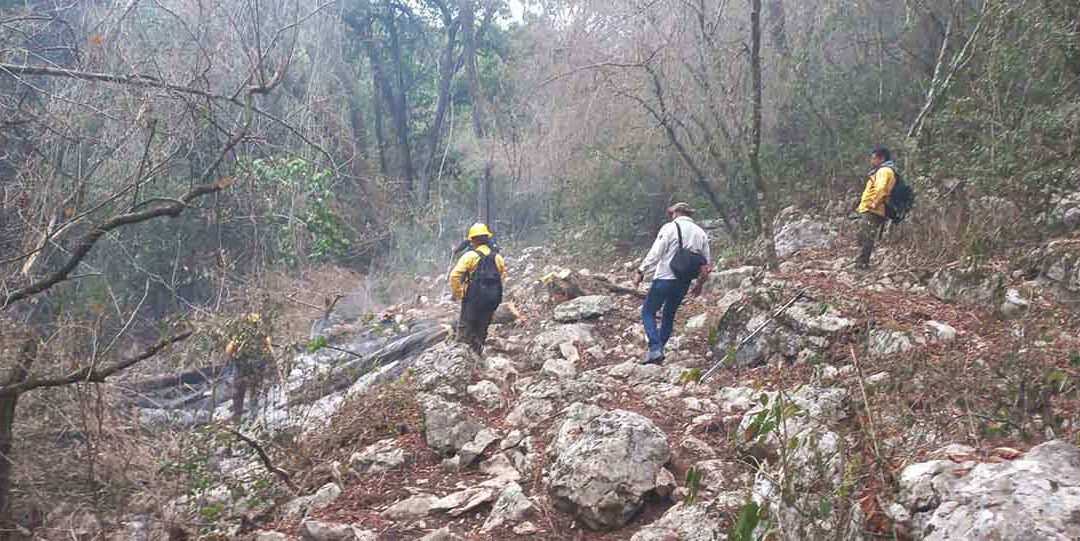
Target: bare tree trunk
17, 369
484, 185
763, 204
400, 105
356, 123
380, 127
447, 69
943, 74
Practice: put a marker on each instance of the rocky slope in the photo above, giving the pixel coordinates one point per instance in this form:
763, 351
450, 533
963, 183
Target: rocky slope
901, 402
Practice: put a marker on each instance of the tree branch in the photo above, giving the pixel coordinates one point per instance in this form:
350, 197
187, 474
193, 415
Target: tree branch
95, 375
171, 209
265, 459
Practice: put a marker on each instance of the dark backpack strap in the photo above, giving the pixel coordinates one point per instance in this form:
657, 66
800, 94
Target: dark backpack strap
679, 231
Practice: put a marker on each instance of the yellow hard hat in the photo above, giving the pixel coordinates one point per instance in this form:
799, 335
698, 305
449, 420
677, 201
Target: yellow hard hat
478, 230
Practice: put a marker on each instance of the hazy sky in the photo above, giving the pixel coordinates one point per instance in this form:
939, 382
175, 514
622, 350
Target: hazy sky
516, 9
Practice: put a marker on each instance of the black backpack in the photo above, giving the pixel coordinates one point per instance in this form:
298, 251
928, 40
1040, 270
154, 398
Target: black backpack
901, 200
686, 264
485, 285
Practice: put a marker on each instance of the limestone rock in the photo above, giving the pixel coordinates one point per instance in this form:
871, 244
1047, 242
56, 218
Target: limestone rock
548, 342
1036, 496
587, 307
885, 342
685, 523
543, 398
942, 332
271, 536
697, 322
1065, 216
302, 505
728, 279
511, 507
447, 428
486, 393
316, 530
559, 369
970, 285
801, 233
804, 325
499, 369
1014, 305
602, 478
442, 534
411, 508
575, 418
476, 447
463, 501
381, 456
445, 369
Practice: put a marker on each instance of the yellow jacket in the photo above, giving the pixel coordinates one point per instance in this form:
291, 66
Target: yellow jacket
877, 190
459, 277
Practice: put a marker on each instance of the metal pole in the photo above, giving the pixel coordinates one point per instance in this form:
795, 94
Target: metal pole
731, 354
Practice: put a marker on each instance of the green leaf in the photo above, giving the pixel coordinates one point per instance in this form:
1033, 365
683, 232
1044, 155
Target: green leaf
318, 343
825, 508
744, 527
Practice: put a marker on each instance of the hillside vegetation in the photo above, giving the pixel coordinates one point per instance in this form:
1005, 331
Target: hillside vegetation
176, 174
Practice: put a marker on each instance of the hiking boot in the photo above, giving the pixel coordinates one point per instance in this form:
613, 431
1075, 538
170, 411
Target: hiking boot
655, 356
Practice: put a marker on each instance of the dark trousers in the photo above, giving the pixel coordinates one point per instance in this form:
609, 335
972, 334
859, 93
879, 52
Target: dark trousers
870, 227
473, 325
664, 295
247, 382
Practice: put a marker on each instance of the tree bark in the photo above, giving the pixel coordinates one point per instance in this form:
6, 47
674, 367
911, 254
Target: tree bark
763, 203
399, 105
447, 69
484, 183
380, 126
17, 369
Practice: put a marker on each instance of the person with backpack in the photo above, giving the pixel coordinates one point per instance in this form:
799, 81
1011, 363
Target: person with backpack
477, 281
872, 205
679, 255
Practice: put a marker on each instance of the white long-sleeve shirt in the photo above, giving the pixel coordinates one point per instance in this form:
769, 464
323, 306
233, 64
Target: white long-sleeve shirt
667, 242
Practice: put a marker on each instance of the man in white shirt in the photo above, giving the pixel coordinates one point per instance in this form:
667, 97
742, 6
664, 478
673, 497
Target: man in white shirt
667, 291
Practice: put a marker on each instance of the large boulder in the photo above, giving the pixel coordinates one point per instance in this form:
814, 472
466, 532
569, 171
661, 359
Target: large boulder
969, 285
731, 278
587, 307
1036, 496
542, 399
604, 476
807, 422
804, 326
450, 431
549, 341
794, 232
997, 213
302, 505
1057, 263
1065, 216
446, 369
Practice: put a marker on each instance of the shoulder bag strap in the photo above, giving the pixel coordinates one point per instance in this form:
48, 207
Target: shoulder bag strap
679, 231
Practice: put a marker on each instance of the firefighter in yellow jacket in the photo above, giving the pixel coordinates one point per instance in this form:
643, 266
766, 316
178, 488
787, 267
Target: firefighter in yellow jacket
477, 282
879, 185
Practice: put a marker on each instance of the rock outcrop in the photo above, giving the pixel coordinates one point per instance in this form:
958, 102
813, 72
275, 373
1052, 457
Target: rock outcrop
1036, 496
602, 478
587, 307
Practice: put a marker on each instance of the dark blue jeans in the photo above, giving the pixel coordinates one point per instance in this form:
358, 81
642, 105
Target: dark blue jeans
666, 295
